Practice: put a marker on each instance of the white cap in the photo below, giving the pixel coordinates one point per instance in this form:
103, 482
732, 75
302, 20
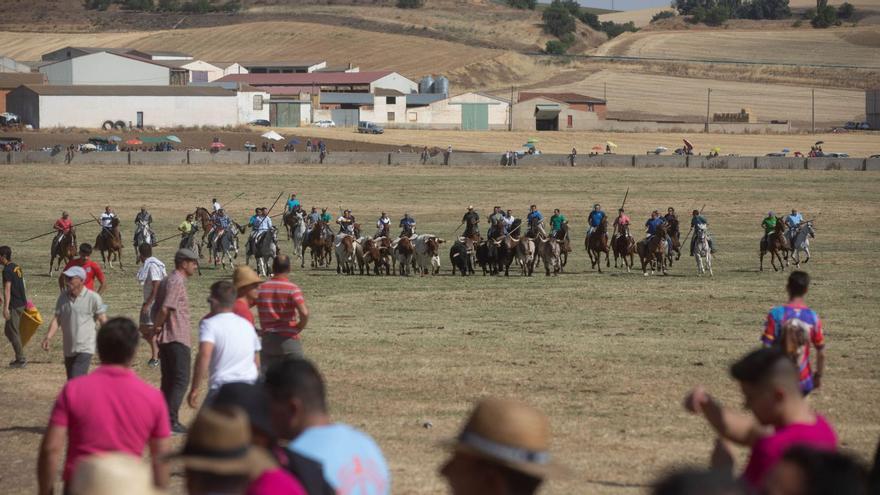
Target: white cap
75, 271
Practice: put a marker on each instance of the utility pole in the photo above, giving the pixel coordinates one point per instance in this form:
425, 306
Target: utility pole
708, 102
605, 91
813, 119
510, 112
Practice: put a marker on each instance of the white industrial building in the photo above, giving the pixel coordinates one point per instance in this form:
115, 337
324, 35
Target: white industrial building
110, 68
45, 106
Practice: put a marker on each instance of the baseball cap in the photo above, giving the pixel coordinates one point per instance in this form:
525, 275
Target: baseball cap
75, 271
185, 254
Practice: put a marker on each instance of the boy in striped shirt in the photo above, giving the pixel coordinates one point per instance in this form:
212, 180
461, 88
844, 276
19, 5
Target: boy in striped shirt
283, 315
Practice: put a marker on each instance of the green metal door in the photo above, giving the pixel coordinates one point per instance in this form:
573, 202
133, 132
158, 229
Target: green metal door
475, 116
287, 114
293, 115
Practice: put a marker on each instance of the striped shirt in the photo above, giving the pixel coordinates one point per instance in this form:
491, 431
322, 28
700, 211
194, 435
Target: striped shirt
277, 299
776, 319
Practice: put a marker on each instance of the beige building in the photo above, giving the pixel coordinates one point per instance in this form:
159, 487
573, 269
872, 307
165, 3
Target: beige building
557, 112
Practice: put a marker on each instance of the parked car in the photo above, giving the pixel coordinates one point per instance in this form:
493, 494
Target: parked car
369, 128
836, 155
857, 126
325, 123
8, 118
874, 156
262, 122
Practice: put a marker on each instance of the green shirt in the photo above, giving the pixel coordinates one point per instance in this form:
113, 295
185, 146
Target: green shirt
325, 217
769, 224
556, 221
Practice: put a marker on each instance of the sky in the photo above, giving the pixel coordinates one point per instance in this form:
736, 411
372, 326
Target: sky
622, 4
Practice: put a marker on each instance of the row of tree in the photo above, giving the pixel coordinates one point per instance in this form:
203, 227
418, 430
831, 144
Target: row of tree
716, 12
189, 6
561, 18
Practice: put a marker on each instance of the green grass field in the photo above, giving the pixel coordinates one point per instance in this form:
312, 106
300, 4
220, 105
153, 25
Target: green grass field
608, 356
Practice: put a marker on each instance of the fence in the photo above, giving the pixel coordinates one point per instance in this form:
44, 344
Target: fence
460, 158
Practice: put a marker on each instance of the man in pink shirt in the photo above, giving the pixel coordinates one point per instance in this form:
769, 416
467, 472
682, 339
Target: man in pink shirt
109, 410
782, 417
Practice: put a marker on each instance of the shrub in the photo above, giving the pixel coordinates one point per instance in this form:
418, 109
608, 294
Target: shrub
168, 5
96, 4
846, 10
825, 16
555, 47
663, 14
523, 4
557, 20
717, 15
590, 19
613, 29
143, 5
409, 4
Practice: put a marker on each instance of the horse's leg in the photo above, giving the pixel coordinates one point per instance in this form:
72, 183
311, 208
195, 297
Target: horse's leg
807, 250
762, 252
119, 259
607, 261
709, 263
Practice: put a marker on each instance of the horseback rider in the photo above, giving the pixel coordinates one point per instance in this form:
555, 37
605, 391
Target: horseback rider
216, 205
144, 221
697, 219
383, 226
407, 226
62, 226
652, 223
594, 220
261, 228
557, 221
313, 218
186, 228
496, 223
672, 220
220, 224
793, 221
622, 219
252, 221
769, 226
107, 220
346, 223
470, 220
508, 221
292, 205
325, 217
535, 221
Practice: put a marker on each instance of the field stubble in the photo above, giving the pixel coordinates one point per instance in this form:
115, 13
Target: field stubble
608, 356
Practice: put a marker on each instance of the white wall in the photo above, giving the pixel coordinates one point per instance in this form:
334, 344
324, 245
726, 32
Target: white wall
394, 81
104, 68
235, 68
213, 71
445, 114
246, 111
380, 110
159, 111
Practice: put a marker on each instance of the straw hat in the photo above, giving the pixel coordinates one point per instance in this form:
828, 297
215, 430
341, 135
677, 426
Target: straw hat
244, 276
508, 433
219, 442
113, 473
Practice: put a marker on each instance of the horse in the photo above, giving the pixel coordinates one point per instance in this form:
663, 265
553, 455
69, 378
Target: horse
142, 235
623, 246
224, 248
265, 251
295, 224
205, 218
63, 248
652, 251
674, 236
802, 242
564, 243
596, 244
320, 244
702, 253
109, 242
777, 245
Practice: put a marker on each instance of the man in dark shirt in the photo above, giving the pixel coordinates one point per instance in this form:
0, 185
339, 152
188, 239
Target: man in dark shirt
14, 301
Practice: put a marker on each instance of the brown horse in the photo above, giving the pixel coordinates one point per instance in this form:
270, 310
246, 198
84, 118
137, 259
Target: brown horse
777, 245
596, 244
652, 251
320, 244
205, 218
63, 248
564, 243
674, 236
624, 246
109, 242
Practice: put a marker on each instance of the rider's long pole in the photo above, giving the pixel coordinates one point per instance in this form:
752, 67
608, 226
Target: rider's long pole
53, 231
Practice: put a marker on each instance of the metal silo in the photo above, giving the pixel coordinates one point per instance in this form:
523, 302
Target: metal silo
426, 85
441, 85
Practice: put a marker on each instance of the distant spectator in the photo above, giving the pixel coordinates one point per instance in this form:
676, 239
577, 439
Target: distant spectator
150, 276
447, 154
14, 303
93, 270
804, 471
573, 156
283, 314
299, 408
113, 474
502, 449
254, 400
109, 410
171, 319
78, 310
793, 327
782, 416
699, 482
228, 346
246, 282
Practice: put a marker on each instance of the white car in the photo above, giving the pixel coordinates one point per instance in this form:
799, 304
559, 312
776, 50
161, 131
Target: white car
325, 123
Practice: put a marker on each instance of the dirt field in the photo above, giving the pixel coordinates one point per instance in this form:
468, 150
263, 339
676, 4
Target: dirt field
856, 144
608, 356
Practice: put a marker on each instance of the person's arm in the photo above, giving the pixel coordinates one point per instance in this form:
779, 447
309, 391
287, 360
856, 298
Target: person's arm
731, 425
99, 275
53, 327
161, 317
257, 359
303, 312
7, 293
200, 372
51, 450
159, 447
101, 318
820, 367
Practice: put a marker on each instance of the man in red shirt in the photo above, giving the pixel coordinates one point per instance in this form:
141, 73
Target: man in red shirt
246, 282
283, 315
93, 270
109, 410
63, 224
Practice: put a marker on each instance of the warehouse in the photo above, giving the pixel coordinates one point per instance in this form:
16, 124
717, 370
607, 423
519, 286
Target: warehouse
557, 112
12, 80
44, 106
110, 68
318, 82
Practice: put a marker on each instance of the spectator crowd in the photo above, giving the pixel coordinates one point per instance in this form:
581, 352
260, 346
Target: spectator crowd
263, 426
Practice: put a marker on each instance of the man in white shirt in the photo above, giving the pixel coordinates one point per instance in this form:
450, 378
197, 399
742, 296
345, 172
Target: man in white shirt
107, 218
383, 226
216, 205
229, 349
150, 275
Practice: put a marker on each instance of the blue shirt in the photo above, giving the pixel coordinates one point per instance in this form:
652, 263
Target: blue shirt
535, 217
292, 203
407, 222
221, 222
652, 224
697, 220
596, 218
794, 220
252, 221
353, 463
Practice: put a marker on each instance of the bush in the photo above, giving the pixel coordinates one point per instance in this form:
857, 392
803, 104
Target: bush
523, 4
557, 20
555, 47
96, 4
613, 30
663, 14
409, 4
717, 15
763, 9
143, 5
590, 19
825, 16
168, 5
846, 10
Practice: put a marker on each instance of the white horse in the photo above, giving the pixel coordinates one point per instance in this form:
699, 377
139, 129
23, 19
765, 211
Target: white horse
299, 233
702, 253
802, 242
